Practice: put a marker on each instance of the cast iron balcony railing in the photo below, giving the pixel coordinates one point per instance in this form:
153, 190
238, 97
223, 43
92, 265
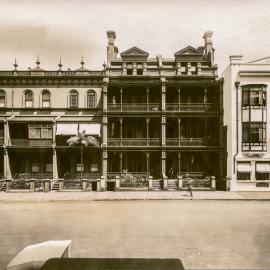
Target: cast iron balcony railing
30, 142
189, 107
134, 107
133, 142
185, 142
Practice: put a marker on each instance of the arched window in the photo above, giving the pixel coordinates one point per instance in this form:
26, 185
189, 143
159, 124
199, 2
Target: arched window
28, 99
2, 99
46, 99
73, 99
91, 99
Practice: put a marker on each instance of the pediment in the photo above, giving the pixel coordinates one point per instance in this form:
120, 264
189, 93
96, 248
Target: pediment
188, 50
133, 52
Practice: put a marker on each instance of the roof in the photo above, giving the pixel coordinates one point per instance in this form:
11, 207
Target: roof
265, 60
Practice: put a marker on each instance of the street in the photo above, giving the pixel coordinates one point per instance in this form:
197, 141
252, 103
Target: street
203, 234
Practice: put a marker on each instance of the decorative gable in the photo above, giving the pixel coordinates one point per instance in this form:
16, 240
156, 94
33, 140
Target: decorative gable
134, 54
189, 53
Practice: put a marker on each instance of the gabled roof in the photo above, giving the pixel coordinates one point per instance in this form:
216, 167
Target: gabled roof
265, 60
188, 50
134, 51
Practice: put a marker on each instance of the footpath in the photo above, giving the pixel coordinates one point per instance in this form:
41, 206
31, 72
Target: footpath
69, 196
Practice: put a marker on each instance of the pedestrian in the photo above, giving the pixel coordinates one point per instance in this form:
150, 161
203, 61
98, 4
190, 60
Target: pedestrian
189, 189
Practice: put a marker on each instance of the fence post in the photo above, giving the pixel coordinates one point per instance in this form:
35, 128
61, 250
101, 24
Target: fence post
32, 185
84, 184
150, 183
103, 183
61, 185
47, 183
228, 179
213, 183
8, 184
165, 182
98, 185
180, 182
117, 183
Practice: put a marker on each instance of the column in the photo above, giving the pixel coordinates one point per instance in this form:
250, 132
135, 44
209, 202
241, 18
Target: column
163, 130
147, 164
147, 99
121, 99
179, 164
124, 68
147, 131
199, 68
163, 163
179, 131
134, 69
205, 131
7, 171
163, 94
205, 99
178, 72
121, 163
104, 163
55, 167
179, 99
54, 131
121, 130
6, 133
105, 130
188, 68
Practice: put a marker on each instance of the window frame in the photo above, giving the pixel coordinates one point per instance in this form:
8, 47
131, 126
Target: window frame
91, 93
73, 93
44, 92
28, 99
3, 92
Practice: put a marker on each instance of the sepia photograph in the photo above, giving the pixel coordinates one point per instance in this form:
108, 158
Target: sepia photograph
134, 135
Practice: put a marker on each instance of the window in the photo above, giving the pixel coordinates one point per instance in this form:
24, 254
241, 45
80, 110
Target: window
49, 167
28, 99
254, 96
42, 130
73, 99
91, 99
35, 168
243, 175
79, 167
243, 170
2, 99
262, 170
129, 71
46, 99
253, 134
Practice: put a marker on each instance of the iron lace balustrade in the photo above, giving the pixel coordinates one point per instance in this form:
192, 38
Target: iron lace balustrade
36, 176
185, 142
30, 142
133, 142
133, 107
186, 107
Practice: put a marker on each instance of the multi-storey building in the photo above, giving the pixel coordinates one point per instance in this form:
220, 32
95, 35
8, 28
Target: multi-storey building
163, 117
245, 104
155, 122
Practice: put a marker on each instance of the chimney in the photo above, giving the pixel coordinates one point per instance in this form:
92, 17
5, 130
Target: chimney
111, 49
208, 45
236, 59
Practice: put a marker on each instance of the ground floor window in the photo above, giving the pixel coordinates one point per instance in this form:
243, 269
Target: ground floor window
262, 176
243, 175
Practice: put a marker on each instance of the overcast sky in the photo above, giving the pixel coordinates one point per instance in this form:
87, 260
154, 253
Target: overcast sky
73, 28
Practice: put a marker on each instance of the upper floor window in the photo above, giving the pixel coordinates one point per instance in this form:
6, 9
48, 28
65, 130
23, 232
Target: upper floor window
28, 99
73, 99
2, 99
40, 130
254, 96
46, 99
91, 99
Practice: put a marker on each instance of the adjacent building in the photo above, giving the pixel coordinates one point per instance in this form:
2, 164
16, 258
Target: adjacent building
246, 109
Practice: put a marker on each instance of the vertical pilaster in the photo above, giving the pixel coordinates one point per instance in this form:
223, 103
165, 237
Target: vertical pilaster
147, 130
205, 99
121, 130
178, 71
163, 94
145, 68
105, 131
104, 163
188, 68
7, 171
163, 130
55, 167
147, 164
199, 68
54, 131
121, 99
104, 94
179, 131
6, 133
163, 163
179, 99
124, 68
147, 99
134, 69
121, 163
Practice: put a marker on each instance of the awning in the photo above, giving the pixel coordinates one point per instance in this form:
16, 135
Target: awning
90, 129
33, 257
244, 167
263, 167
66, 129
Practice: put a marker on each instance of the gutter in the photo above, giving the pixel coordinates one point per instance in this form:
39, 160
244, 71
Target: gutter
237, 121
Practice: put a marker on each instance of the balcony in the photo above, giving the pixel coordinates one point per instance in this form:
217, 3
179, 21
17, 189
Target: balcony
30, 142
134, 107
186, 142
189, 107
133, 142
33, 176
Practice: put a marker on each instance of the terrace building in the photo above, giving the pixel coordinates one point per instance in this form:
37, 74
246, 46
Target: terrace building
152, 123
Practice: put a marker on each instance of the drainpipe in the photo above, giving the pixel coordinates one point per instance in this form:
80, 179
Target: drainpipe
237, 121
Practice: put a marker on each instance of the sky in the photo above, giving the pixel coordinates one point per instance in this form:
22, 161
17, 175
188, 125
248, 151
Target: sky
71, 29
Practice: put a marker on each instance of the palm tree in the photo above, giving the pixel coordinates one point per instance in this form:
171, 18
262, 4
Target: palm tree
82, 140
